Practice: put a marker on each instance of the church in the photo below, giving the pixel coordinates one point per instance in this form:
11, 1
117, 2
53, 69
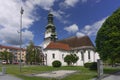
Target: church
54, 49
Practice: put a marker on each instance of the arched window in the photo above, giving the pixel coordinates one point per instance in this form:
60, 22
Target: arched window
46, 56
53, 56
82, 55
88, 54
62, 56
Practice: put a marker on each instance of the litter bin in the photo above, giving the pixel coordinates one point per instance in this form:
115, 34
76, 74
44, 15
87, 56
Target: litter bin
3, 70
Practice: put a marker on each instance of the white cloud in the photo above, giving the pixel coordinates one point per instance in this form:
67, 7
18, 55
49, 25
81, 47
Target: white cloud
71, 2
45, 4
91, 30
10, 19
68, 3
72, 29
60, 15
79, 34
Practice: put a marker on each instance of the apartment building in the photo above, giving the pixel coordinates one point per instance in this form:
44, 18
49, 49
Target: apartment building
16, 53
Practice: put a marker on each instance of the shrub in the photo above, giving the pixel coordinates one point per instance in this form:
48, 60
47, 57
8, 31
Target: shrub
56, 63
93, 66
87, 65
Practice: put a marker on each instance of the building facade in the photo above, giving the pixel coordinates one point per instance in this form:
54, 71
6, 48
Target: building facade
55, 49
16, 52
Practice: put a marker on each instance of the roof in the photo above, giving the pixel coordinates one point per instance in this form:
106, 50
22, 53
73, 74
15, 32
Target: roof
57, 45
76, 42
10, 47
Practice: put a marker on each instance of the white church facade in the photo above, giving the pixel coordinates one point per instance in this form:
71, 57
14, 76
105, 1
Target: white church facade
54, 49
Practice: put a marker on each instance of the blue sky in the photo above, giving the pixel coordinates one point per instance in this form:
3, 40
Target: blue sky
71, 18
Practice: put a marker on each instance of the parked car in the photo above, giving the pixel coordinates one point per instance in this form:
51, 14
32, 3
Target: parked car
15, 62
4, 62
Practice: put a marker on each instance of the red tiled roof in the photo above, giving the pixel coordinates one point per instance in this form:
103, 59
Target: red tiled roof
75, 42
10, 47
56, 45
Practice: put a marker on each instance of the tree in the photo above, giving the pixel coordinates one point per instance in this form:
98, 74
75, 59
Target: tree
6, 56
108, 38
38, 54
72, 58
33, 55
30, 53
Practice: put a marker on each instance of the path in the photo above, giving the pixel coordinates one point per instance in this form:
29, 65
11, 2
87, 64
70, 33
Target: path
8, 77
115, 76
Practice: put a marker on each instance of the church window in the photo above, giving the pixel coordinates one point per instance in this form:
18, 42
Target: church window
88, 54
53, 55
62, 56
46, 56
82, 55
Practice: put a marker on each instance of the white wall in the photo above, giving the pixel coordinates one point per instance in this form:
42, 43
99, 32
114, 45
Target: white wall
59, 56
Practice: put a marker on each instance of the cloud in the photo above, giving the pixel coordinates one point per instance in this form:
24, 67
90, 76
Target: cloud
72, 29
45, 4
60, 15
79, 34
68, 3
91, 30
71, 2
10, 19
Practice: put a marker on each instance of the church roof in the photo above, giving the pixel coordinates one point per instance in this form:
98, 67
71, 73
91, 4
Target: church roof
58, 45
77, 42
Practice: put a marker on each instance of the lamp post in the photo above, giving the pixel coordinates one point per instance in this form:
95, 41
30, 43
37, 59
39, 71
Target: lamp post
21, 13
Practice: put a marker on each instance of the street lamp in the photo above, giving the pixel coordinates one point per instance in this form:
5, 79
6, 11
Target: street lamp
21, 13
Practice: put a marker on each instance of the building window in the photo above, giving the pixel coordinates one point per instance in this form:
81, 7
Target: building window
46, 56
88, 54
53, 55
62, 56
82, 55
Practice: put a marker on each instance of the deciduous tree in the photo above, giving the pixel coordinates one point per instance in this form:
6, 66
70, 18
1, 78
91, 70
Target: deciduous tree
71, 59
108, 38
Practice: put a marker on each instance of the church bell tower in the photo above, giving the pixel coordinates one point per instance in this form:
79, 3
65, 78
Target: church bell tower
50, 32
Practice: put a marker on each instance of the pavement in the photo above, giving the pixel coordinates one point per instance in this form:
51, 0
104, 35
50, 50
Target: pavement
8, 77
115, 76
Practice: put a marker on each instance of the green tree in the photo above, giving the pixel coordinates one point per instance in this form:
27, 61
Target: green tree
108, 38
33, 55
38, 55
30, 53
6, 56
74, 58
71, 59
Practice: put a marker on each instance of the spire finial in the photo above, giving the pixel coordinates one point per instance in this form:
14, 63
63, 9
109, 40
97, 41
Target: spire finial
50, 11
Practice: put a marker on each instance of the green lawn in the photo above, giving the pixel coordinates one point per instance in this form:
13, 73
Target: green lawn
82, 74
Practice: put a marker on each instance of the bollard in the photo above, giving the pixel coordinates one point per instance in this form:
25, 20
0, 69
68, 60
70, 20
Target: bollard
3, 70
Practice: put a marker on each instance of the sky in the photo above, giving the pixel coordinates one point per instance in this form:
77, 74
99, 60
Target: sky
71, 18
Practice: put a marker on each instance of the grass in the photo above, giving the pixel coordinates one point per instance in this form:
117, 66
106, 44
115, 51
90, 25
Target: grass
82, 73
110, 70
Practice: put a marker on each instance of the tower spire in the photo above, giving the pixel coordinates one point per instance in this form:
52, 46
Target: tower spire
50, 33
